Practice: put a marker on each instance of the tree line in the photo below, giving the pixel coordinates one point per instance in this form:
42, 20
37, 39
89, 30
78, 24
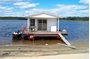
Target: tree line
65, 18
12, 18
76, 18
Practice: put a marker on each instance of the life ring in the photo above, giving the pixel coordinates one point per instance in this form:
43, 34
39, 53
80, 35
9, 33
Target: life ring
31, 37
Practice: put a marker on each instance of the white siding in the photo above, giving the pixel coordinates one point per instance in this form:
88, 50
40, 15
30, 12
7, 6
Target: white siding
28, 23
36, 25
51, 22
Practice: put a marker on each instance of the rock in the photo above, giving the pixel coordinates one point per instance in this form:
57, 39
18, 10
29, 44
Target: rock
46, 44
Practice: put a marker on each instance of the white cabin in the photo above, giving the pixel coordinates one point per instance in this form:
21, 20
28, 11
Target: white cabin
43, 22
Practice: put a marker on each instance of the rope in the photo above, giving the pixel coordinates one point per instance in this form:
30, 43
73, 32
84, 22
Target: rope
23, 28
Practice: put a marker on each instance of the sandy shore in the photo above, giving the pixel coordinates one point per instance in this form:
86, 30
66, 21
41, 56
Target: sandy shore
42, 50
65, 56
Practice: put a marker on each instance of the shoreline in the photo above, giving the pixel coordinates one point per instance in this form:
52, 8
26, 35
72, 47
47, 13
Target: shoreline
27, 44
65, 56
59, 20
42, 50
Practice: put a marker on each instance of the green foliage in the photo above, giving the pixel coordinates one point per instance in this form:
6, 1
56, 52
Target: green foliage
76, 18
65, 18
12, 18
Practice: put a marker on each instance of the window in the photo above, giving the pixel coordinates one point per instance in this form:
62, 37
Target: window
42, 24
39, 21
32, 22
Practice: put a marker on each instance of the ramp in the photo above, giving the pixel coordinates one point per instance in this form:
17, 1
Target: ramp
64, 40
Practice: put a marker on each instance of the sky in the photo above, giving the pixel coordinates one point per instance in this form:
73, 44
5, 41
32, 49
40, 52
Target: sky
64, 8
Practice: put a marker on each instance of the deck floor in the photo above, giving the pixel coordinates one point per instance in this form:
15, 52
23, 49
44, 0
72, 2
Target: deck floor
41, 32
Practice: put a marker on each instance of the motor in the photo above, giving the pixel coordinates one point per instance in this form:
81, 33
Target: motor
17, 34
64, 32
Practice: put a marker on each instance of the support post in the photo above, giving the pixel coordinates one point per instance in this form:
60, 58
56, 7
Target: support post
36, 25
28, 24
58, 24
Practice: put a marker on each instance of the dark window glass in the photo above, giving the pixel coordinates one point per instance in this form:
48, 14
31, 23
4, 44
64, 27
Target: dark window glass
32, 22
39, 21
44, 21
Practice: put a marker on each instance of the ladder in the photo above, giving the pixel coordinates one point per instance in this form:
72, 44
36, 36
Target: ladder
64, 40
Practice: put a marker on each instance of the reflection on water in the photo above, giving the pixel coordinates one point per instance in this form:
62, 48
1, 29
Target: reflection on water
78, 32
36, 42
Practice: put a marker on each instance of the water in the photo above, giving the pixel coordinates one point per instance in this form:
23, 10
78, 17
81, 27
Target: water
6, 29
78, 32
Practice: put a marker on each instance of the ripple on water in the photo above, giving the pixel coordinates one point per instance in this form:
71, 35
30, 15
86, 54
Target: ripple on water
78, 32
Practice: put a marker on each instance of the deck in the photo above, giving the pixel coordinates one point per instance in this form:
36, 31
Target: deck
47, 34
41, 32
57, 34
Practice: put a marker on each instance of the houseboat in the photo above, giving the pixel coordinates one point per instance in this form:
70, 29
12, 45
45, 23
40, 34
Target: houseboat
43, 25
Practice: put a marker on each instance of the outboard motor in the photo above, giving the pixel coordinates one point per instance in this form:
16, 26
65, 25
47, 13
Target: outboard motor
17, 34
64, 32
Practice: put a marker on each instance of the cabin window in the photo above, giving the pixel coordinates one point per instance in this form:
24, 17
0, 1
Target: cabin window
39, 21
44, 21
42, 24
32, 22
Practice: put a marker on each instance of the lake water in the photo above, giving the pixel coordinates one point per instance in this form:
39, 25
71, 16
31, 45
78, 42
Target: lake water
78, 32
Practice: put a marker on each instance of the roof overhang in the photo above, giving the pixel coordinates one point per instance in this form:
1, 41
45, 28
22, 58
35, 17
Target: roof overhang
43, 15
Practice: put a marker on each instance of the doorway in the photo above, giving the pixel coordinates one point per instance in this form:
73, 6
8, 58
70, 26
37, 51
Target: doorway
42, 24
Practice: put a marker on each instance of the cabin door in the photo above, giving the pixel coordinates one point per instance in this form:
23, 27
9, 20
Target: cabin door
42, 25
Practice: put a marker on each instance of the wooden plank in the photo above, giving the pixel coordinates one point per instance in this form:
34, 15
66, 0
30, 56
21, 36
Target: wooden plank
41, 32
65, 41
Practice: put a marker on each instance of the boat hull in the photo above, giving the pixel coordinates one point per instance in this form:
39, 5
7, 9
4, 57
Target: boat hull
17, 35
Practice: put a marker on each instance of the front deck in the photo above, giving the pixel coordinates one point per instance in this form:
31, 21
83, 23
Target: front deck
41, 32
47, 34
